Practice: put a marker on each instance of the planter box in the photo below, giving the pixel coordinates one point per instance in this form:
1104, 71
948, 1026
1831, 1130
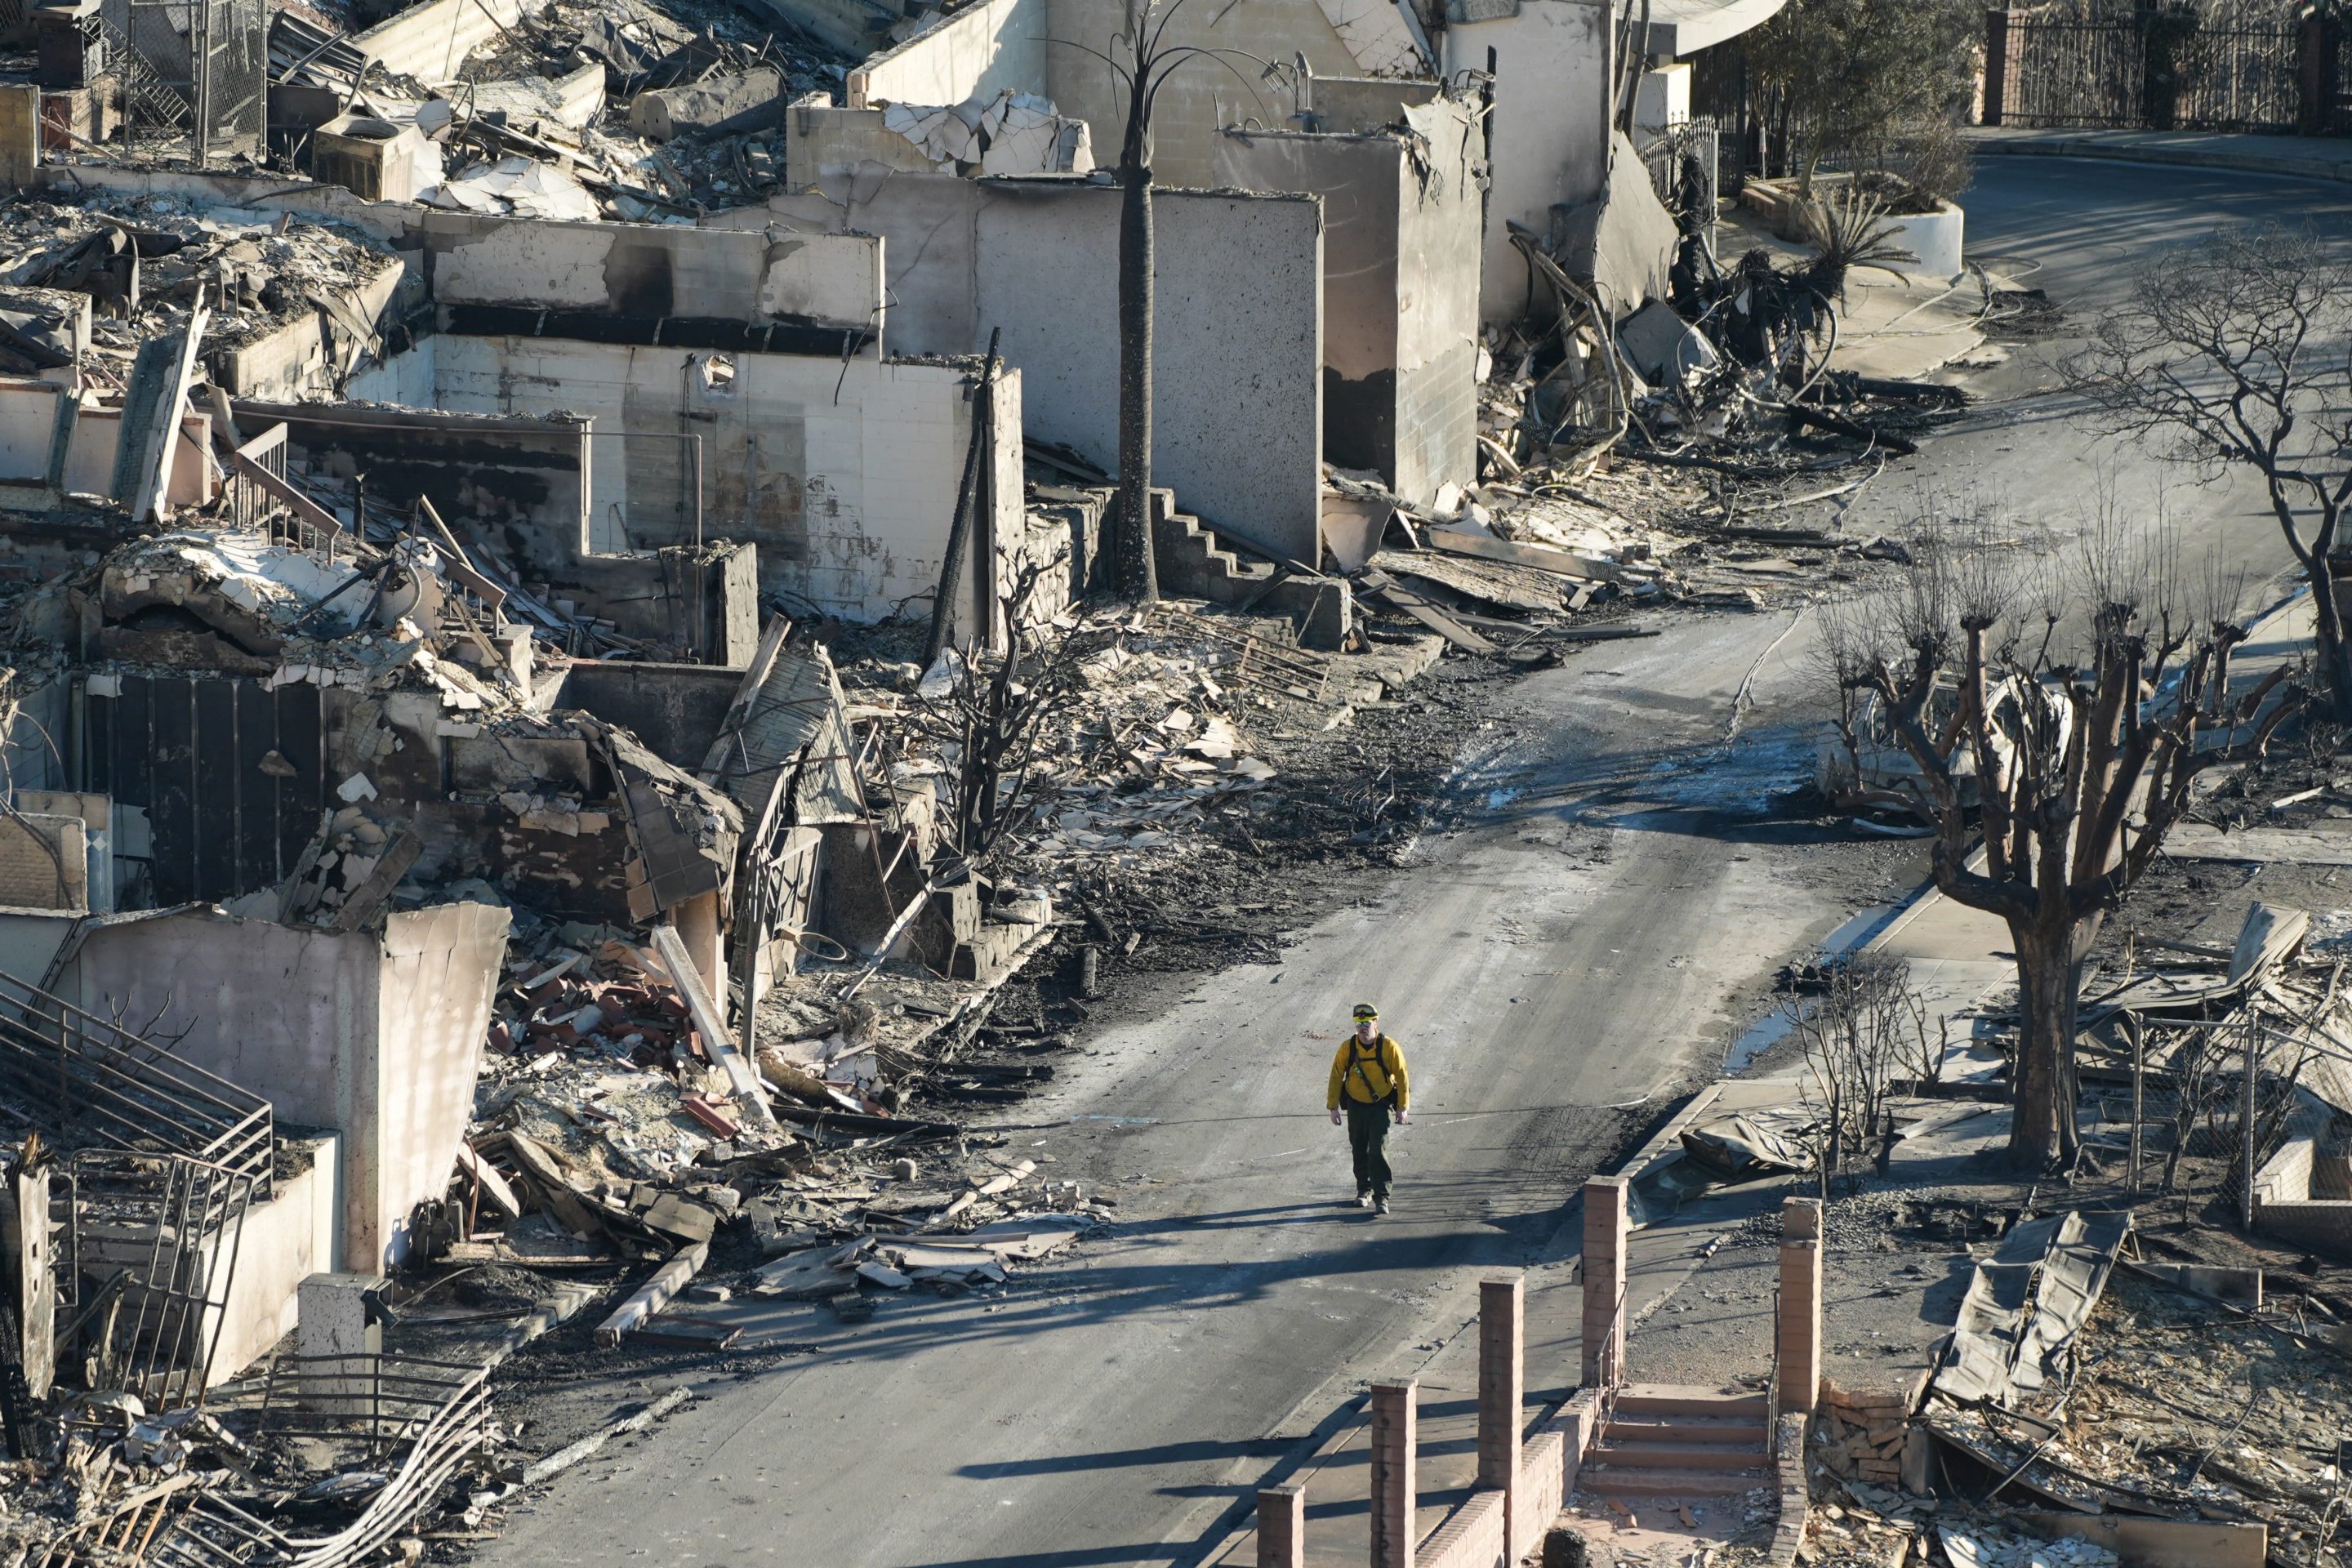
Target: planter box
1934, 237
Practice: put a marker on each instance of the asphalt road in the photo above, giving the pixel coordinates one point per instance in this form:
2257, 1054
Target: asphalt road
1593, 939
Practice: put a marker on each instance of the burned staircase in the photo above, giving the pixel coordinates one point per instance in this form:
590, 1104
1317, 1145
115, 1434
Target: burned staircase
1194, 562
1671, 1440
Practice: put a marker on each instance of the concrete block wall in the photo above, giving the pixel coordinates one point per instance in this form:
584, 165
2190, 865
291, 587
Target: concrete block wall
1238, 396
981, 49
845, 479
1199, 98
1549, 125
1607, 1227
1796, 1333
2322, 1224
20, 137
1439, 250
652, 271
1795, 1493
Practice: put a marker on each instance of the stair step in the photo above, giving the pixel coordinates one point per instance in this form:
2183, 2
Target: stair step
1644, 1428
1675, 1456
1613, 1480
1690, 1399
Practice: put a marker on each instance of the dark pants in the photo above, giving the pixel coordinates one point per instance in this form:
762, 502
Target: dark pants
1368, 1136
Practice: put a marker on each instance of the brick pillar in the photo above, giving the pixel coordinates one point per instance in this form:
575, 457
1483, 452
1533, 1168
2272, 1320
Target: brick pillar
1798, 1334
1996, 77
1394, 1445
1502, 1393
1282, 1527
1605, 1277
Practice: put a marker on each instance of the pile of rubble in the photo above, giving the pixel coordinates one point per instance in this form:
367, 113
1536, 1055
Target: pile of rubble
142, 264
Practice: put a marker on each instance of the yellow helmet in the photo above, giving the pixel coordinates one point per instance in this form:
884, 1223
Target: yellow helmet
1365, 1010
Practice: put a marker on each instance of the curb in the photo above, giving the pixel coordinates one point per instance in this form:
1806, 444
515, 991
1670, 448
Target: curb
1668, 1139
2174, 157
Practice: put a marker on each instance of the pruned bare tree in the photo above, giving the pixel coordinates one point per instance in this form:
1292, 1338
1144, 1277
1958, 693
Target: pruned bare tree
2236, 352
990, 723
2066, 713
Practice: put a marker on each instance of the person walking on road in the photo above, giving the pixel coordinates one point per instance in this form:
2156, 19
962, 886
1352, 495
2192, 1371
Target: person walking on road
1367, 1078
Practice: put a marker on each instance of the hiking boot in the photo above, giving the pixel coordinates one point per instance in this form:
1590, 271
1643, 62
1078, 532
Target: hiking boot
1364, 1199
1380, 1206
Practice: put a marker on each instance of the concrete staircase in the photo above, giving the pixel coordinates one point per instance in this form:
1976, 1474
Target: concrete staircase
1674, 1440
1193, 564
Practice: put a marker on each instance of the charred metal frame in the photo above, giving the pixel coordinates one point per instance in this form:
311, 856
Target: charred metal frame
87, 1081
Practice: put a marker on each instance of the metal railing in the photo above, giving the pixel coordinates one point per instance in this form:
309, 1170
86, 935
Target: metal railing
161, 1340
1684, 163
2151, 70
441, 1409
260, 498
1609, 1365
378, 1400
83, 1080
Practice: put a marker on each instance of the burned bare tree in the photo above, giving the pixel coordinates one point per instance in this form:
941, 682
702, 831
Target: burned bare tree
1866, 1027
1141, 62
2234, 353
995, 716
2069, 723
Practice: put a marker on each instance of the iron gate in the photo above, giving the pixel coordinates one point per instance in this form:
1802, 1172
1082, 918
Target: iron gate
2154, 69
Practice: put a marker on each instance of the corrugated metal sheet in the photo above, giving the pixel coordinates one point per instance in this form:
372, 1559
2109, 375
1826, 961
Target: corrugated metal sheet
797, 716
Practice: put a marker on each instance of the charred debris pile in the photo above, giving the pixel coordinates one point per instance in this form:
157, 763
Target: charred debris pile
1651, 440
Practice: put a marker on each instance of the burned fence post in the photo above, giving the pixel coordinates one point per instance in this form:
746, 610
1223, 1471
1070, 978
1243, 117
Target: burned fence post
1995, 69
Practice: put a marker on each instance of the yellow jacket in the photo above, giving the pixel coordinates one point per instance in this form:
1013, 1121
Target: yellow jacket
1368, 1075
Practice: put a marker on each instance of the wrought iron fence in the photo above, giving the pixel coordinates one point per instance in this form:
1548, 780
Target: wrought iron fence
2169, 68
177, 1226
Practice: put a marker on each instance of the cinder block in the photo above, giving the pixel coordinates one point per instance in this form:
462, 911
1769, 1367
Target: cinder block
20, 136
1502, 1379
1798, 1329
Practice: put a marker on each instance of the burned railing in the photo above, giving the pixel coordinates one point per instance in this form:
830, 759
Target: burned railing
86, 1080
175, 1227
262, 499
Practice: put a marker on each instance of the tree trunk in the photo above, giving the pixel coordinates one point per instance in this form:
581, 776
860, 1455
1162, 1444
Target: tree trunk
2335, 657
2041, 1130
1138, 577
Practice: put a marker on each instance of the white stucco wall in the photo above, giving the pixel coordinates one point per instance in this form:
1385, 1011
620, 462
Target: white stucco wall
981, 49
377, 1037
1400, 282
1550, 124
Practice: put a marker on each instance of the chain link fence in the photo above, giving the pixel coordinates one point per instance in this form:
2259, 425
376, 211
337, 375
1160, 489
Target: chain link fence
196, 78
